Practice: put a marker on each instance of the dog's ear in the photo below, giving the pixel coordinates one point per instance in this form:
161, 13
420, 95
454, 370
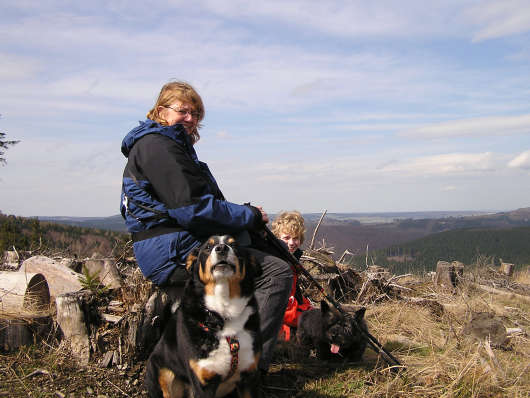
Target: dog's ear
359, 314
192, 257
324, 307
253, 268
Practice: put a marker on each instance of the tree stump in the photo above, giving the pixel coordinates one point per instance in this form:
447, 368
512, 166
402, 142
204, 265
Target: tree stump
105, 268
23, 330
11, 259
448, 274
507, 268
143, 327
73, 319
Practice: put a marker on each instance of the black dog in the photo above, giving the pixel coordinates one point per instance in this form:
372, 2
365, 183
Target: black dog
333, 335
212, 344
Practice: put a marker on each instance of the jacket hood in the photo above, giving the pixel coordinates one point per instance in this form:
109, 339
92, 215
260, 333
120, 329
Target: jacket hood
176, 133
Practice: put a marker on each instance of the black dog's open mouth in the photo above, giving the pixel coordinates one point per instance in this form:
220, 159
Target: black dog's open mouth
224, 266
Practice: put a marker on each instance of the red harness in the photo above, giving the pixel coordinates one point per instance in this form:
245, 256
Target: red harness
233, 344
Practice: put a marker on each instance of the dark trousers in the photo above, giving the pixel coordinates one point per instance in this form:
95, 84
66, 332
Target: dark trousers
272, 290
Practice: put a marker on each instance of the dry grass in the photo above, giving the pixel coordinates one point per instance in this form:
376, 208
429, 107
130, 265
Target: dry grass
522, 276
440, 360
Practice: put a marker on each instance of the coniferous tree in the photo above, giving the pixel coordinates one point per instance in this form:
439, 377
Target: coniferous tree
4, 145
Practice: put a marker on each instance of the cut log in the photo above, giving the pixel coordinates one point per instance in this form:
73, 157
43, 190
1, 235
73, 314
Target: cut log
61, 279
72, 321
23, 293
490, 289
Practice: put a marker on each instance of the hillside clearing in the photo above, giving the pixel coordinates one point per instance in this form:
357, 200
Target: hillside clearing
440, 360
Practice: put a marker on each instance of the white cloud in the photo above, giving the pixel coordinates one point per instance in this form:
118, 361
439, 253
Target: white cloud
500, 18
484, 126
445, 164
14, 66
521, 161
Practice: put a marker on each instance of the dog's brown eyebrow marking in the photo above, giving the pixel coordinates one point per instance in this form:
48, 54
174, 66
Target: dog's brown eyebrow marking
202, 374
211, 241
206, 277
231, 241
235, 281
190, 260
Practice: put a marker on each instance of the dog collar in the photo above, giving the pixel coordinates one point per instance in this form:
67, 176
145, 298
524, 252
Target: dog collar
233, 344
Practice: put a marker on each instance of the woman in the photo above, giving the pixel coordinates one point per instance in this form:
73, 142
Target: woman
171, 203
289, 227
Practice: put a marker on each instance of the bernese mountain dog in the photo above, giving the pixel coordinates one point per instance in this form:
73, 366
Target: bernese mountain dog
212, 344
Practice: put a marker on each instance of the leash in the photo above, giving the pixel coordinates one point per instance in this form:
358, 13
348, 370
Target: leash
395, 365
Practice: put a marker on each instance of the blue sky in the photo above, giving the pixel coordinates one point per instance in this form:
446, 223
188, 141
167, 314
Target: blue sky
349, 106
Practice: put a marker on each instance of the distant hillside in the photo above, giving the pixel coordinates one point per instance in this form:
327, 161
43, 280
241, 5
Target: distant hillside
355, 236
356, 231
113, 223
465, 245
32, 234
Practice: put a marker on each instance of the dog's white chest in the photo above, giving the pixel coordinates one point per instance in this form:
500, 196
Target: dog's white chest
223, 358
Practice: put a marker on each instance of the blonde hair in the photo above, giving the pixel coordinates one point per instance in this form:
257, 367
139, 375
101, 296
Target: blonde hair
183, 92
290, 222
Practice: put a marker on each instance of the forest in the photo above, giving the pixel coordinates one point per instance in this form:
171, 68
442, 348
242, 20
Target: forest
32, 235
465, 245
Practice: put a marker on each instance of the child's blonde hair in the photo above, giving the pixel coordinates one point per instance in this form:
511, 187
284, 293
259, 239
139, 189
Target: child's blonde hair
290, 222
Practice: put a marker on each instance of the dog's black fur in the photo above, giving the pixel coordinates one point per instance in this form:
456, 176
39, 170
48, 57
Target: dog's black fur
193, 357
333, 335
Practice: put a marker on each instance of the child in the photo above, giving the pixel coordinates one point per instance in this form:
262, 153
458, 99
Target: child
289, 227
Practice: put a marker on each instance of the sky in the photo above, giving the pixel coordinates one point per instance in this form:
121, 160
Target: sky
348, 106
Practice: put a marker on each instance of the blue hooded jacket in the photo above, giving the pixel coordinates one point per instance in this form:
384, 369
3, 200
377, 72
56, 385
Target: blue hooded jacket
170, 200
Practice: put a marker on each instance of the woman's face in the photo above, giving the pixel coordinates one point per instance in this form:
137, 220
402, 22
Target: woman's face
180, 113
293, 242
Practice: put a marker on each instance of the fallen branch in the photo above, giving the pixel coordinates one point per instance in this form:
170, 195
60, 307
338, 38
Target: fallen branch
316, 229
501, 292
37, 372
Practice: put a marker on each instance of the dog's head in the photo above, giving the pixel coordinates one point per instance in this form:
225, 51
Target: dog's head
220, 259
340, 331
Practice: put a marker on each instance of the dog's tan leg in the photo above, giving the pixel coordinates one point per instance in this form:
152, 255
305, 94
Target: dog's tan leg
170, 386
203, 375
